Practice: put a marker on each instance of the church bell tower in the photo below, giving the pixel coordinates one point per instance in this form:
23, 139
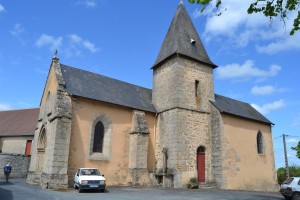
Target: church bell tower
182, 87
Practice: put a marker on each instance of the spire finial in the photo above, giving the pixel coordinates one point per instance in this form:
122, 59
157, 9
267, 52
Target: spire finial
55, 54
181, 2
55, 58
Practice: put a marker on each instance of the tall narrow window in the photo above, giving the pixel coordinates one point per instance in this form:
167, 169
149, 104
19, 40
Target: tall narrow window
259, 141
98, 138
196, 88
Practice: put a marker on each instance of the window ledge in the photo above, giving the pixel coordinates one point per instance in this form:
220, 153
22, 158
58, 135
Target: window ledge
98, 156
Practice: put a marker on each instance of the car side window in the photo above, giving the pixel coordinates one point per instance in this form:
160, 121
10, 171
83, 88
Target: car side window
78, 172
299, 182
288, 181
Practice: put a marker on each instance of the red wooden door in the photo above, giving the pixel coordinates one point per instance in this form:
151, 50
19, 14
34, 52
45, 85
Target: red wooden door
201, 166
28, 147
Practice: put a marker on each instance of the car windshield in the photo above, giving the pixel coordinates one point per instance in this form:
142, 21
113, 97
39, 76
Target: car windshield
288, 181
90, 172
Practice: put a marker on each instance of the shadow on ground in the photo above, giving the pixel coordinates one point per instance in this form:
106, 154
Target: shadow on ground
6, 194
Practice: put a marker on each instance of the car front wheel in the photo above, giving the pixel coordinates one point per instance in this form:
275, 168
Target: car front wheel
287, 197
296, 196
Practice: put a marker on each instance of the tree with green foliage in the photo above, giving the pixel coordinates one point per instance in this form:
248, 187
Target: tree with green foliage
294, 170
269, 8
297, 149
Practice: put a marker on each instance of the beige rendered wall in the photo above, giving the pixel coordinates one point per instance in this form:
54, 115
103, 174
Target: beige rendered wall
51, 88
14, 144
116, 167
243, 168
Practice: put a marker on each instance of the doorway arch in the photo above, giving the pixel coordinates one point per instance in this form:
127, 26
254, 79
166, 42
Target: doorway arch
201, 163
42, 143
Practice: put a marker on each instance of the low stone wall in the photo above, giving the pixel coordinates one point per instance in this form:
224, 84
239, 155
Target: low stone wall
18, 162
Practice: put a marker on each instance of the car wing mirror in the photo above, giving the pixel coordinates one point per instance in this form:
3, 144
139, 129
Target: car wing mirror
103, 175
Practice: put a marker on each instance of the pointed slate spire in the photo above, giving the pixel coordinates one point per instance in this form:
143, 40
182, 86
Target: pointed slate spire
183, 39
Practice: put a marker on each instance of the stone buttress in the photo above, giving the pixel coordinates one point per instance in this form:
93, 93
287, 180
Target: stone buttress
138, 150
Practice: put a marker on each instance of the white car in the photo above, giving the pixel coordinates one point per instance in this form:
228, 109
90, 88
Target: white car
290, 188
89, 179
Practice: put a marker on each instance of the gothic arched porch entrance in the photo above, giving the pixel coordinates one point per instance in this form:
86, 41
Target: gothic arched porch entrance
42, 143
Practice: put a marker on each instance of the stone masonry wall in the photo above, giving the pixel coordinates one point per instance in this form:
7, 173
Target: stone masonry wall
19, 164
182, 132
216, 147
138, 150
174, 85
181, 93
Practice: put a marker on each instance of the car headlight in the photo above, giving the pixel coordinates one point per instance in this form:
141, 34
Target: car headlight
83, 182
102, 182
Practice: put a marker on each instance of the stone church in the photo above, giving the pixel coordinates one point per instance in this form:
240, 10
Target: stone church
177, 131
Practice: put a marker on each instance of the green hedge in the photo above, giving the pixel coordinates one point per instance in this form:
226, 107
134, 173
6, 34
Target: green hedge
294, 171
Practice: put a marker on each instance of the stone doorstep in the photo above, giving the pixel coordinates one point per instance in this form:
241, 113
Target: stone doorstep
207, 186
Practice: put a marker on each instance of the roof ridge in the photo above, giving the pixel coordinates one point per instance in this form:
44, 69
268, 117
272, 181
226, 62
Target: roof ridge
13, 110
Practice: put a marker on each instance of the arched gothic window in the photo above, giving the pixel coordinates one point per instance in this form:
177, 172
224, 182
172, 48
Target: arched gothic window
98, 138
259, 143
100, 144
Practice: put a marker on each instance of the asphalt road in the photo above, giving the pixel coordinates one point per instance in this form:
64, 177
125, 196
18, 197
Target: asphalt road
17, 189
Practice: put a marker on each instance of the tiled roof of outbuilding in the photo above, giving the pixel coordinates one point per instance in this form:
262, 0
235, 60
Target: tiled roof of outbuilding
178, 40
238, 108
18, 122
101, 88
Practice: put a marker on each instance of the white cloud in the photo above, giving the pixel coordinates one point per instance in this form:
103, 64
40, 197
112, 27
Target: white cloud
267, 108
245, 71
237, 27
197, 13
75, 39
88, 3
265, 90
73, 47
90, 46
2, 9
292, 140
4, 106
284, 44
48, 40
18, 29
77, 42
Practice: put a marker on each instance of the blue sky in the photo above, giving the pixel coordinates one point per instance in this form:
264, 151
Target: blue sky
121, 39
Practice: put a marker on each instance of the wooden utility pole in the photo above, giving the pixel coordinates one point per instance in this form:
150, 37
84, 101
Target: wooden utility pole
287, 173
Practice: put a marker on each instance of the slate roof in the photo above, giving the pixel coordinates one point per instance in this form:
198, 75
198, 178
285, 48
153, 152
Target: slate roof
238, 108
101, 88
18, 122
178, 40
